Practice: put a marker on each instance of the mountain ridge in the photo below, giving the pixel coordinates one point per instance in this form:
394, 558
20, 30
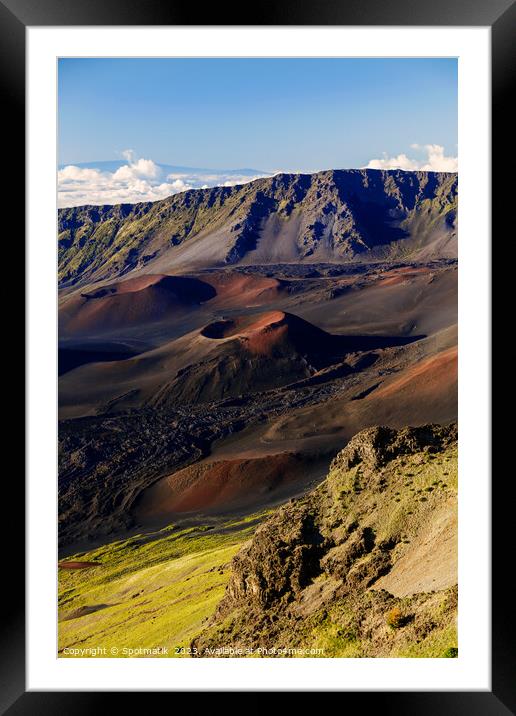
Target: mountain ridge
333, 216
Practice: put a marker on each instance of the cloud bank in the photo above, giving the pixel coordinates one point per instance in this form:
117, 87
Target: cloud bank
145, 180
434, 161
137, 180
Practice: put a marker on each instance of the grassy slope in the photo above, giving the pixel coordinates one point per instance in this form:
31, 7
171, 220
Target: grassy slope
358, 625
161, 591
151, 592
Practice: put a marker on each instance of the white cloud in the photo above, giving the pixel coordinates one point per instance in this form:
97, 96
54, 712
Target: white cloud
235, 181
178, 185
202, 180
72, 173
142, 179
128, 154
145, 168
138, 180
435, 160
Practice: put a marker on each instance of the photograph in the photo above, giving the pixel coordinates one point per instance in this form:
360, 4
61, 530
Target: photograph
257, 290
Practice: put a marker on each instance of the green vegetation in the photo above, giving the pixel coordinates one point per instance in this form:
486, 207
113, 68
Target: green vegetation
335, 634
148, 591
434, 646
399, 512
163, 589
345, 581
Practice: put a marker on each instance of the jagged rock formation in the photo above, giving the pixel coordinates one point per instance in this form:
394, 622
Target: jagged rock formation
345, 215
365, 565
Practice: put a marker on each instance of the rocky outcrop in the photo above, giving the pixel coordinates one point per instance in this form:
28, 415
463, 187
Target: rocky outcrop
375, 447
320, 557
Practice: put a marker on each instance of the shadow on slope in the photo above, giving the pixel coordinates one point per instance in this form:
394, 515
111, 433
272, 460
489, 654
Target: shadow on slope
137, 301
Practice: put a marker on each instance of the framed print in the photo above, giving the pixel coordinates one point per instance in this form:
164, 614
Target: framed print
258, 277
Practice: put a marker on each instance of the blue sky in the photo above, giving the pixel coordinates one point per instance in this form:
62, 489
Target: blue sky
266, 114
155, 116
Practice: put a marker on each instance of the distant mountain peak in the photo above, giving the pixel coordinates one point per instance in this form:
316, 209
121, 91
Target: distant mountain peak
337, 215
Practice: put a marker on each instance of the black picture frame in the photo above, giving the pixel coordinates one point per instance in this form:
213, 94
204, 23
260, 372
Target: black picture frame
500, 15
